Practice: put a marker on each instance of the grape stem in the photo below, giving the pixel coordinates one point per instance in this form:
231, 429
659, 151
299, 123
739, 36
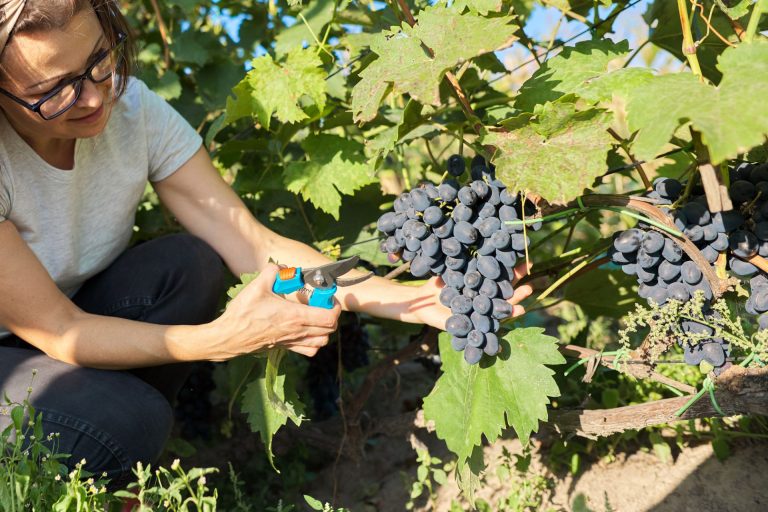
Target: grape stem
689, 47
754, 20
635, 163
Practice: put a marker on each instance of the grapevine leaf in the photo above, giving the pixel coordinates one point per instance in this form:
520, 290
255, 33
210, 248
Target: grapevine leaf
272, 88
571, 71
404, 64
736, 10
334, 166
318, 14
270, 401
472, 401
680, 98
556, 154
480, 6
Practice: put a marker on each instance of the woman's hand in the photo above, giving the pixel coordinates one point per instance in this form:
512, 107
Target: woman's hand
427, 308
258, 319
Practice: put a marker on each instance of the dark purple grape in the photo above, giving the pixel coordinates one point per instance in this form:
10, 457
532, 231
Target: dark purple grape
713, 353
762, 321
506, 258
710, 233
710, 254
491, 344
761, 300
434, 216
501, 309
444, 230
697, 213
456, 262
461, 305
482, 304
669, 271
690, 273
501, 239
486, 247
419, 230
469, 292
692, 355
694, 327
678, 291
412, 243
727, 221
458, 343
761, 231
476, 339
481, 189
628, 241
453, 278
489, 267
668, 188
653, 242
481, 322
505, 289
489, 226
658, 295
520, 242
420, 199
743, 244
489, 288
462, 212
451, 247
447, 294
458, 325
456, 165
420, 266
507, 197
408, 255
694, 233
467, 196
487, 211
472, 355
742, 191
721, 243
473, 280
465, 233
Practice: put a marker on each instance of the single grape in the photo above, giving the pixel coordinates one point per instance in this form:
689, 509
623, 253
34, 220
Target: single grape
505, 289
501, 309
419, 230
462, 212
420, 199
489, 226
742, 268
743, 244
489, 267
678, 291
461, 305
412, 243
481, 322
630, 269
713, 353
434, 216
519, 242
710, 254
507, 197
647, 261
669, 271
453, 278
710, 233
507, 213
692, 355
458, 343
761, 231
475, 338
628, 241
456, 262
658, 295
489, 288
465, 233
481, 189
469, 292
762, 321
447, 294
386, 223
501, 239
761, 300
690, 273
467, 196
473, 280
458, 325
668, 188
408, 255
694, 327
419, 266
472, 355
430, 246
451, 247
487, 211
742, 191
445, 229
697, 213
486, 247
694, 233
482, 304
491, 344
653, 242
720, 243
456, 165
506, 258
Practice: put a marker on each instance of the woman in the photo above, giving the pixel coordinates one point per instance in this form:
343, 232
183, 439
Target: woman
112, 329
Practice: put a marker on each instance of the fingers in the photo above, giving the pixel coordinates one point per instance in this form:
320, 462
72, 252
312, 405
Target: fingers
518, 310
521, 270
305, 351
320, 317
521, 293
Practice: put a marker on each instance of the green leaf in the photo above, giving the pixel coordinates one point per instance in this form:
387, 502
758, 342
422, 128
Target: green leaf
736, 10
556, 154
270, 401
318, 14
470, 402
277, 88
334, 166
728, 116
572, 71
312, 502
480, 6
406, 66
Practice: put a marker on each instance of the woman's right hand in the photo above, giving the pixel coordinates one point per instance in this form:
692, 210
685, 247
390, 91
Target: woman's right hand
258, 319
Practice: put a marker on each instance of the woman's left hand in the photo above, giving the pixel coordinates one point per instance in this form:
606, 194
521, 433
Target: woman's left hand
427, 308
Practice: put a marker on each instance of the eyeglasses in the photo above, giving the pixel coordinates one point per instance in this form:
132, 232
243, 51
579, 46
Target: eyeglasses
64, 96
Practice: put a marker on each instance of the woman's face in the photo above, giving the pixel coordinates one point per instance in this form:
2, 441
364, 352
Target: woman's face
35, 63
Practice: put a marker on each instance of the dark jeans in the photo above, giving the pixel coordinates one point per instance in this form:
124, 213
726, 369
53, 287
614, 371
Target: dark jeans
113, 419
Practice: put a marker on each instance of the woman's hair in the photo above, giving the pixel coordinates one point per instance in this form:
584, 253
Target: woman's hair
44, 15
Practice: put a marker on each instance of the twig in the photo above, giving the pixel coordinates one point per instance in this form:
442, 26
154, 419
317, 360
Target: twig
718, 199
637, 164
754, 21
163, 34
689, 48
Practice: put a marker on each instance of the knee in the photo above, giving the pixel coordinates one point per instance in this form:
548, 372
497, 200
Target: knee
199, 262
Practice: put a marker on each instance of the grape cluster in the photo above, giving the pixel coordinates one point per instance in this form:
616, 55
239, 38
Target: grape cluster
322, 372
193, 409
664, 272
463, 234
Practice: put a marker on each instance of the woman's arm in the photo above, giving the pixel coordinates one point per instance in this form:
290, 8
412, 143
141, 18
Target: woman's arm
33, 308
208, 208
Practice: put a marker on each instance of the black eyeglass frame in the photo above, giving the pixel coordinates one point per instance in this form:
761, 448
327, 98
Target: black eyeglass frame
78, 81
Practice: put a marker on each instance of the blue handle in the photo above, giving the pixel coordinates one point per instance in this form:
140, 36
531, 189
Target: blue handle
283, 286
322, 298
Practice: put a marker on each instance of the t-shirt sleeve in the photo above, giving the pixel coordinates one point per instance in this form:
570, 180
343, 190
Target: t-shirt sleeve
170, 138
5, 194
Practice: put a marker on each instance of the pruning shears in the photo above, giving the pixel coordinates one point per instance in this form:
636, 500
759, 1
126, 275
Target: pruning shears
324, 280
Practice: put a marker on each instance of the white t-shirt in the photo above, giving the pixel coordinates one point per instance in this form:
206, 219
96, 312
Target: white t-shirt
79, 221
